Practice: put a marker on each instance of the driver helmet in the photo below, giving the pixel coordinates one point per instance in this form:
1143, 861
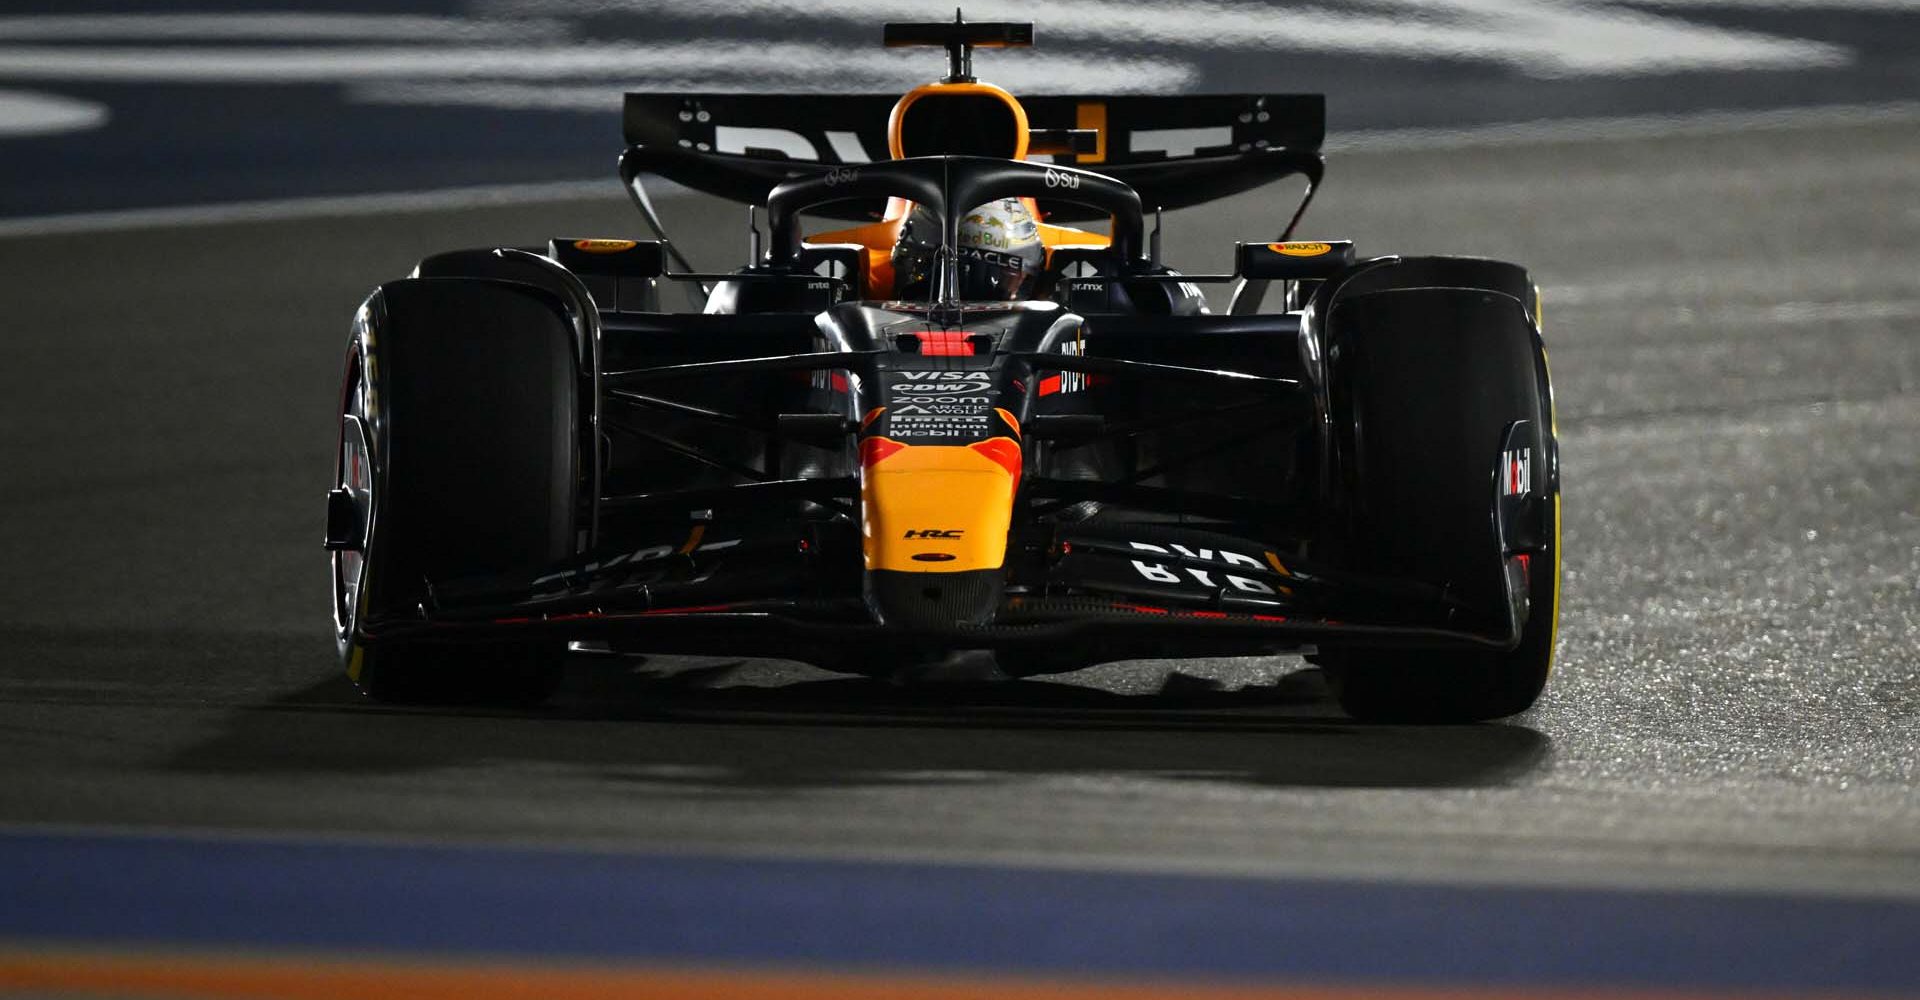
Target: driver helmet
1000, 254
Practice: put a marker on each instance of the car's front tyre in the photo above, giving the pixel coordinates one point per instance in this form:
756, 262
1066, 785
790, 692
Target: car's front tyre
1428, 381
458, 455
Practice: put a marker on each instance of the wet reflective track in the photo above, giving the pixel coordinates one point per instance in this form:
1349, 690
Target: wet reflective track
1716, 797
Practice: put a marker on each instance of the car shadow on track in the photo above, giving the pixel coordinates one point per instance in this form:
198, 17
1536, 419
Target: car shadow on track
687, 732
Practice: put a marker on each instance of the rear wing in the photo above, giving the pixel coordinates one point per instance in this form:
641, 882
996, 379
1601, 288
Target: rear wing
1174, 151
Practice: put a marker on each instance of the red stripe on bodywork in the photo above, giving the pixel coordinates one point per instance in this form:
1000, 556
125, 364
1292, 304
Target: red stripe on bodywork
873, 450
945, 343
1005, 451
1183, 613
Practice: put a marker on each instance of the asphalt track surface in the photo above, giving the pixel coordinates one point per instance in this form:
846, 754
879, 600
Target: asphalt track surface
1732, 318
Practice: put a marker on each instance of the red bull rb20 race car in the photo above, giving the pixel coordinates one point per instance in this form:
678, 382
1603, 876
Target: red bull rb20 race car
930, 417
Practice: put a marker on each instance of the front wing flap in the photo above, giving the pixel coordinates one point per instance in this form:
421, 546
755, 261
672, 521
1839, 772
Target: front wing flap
792, 591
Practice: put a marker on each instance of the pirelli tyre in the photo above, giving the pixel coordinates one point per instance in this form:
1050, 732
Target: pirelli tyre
458, 451
1425, 383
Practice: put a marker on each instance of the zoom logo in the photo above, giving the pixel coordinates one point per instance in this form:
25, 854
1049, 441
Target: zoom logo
1057, 179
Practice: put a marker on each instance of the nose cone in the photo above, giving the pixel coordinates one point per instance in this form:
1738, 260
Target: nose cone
934, 601
935, 522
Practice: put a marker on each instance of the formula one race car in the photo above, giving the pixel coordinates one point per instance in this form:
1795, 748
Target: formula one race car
958, 427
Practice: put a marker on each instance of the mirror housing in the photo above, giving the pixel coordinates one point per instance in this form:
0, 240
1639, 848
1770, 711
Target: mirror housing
619, 274
622, 258
1295, 261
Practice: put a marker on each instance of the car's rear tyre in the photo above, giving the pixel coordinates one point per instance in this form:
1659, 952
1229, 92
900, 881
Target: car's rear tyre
459, 432
1429, 380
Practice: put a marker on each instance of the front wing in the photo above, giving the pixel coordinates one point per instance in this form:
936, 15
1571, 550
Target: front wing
1095, 593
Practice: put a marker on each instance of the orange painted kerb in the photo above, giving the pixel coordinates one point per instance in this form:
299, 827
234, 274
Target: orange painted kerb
292, 978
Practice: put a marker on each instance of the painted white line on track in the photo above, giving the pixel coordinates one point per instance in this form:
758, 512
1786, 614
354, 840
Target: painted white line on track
27, 113
1624, 128
343, 206
611, 65
279, 26
1547, 38
347, 64
1117, 75
1866, 5
1380, 141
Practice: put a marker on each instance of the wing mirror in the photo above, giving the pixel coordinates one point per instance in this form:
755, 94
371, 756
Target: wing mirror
1292, 261
614, 258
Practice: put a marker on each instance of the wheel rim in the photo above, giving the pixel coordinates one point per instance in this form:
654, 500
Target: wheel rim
353, 472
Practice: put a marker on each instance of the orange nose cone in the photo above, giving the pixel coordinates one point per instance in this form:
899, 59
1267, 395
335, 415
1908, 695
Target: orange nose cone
935, 519
952, 501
